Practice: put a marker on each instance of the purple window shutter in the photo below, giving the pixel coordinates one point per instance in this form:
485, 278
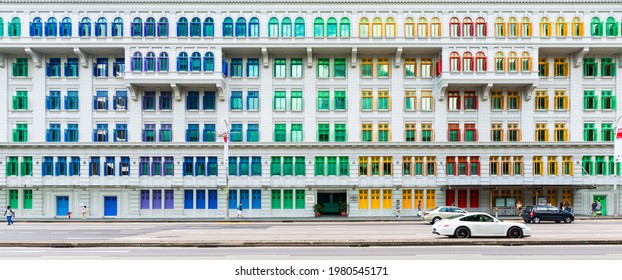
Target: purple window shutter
144, 135
144, 199
168, 199
157, 199
160, 102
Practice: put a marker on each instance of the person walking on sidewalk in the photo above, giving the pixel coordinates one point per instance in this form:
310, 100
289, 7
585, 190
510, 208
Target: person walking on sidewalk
594, 209
598, 209
419, 209
9, 215
240, 211
83, 212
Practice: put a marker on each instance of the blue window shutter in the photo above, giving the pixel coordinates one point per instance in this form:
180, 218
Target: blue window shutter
178, 64
57, 169
114, 105
94, 135
106, 103
114, 135
77, 103
48, 70
187, 135
48, 103
48, 135
94, 70
106, 138
66, 135
94, 102
66, 103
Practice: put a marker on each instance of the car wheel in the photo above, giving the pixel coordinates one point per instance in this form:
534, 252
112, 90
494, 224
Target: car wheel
436, 219
536, 220
463, 233
515, 232
527, 221
568, 220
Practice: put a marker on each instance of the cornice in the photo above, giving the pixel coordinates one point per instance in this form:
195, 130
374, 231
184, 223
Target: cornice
314, 2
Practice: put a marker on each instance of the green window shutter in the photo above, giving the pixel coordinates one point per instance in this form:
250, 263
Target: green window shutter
15, 139
595, 69
300, 199
288, 199
613, 102
27, 199
300, 166
319, 166
15, 103
276, 199
275, 166
13, 199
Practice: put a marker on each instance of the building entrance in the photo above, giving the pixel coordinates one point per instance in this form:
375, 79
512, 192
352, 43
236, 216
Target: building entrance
331, 201
603, 203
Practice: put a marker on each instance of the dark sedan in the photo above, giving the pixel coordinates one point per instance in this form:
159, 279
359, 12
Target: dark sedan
535, 214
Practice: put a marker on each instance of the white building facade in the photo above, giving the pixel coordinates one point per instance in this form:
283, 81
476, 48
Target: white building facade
382, 105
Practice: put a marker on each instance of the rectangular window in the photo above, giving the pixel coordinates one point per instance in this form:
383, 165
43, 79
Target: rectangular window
280, 133
280, 68
552, 166
474, 166
451, 166
589, 132
426, 67
252, 67
506, 168
296, 132
168, 166
143, 166
192, 133
323, 100
120, 133
496, 100
384, 133
52, 101
20, 67
255, 166
340, 67
513, 101
296, 100
411, 132
367, 132
296, 68
236, 67
496, 131
340, 100
600, 166
542, 100
513, 132
609, 67
410, 67
236, 134
212, 166
518, 165
363, 166
279, 101
47, 166
426, 132
209, 132
407, 168
192, 100
590, 67
323, 68
608, 100
299, 168
387, 166
470, 101
588, 166
561, 100
120, 100
340, 132
236, 100
71, 67
94, 169
156, 166
543, 67
276, 199
149, 100
561, 132
323, 132
20, 100
367, 67
166, 132
367, 100
589, 100
74, 166
410, 100
606, 132
453, 132
430, 165
375, 166
320, 166
384, 69
344, 169
100, 100
561, 67
166, 101
20, 133
537, 166
252, 132
53, 68
453, 101
567, 165
209, 100
275, 166
426, 101
384, 101
53, 133
542, 132
494, 166
470, 132
233, 166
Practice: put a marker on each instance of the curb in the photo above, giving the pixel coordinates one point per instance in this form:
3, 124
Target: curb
313, 243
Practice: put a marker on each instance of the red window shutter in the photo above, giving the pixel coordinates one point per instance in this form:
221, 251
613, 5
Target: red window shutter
485, 64
485, 29
459, 64
462, 198
458, 104
451, 197
475, 134
475, 102
474, 201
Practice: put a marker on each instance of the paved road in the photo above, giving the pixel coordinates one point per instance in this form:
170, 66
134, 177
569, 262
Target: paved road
582, 252
210, 234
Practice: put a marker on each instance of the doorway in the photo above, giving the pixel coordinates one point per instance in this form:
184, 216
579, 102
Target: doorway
62, 205
331, 201
603, 203
110, 206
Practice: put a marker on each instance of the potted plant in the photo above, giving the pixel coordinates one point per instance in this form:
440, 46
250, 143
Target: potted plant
318, 209
343, 208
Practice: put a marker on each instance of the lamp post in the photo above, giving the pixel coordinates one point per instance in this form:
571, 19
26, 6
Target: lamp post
225, 135
617, 147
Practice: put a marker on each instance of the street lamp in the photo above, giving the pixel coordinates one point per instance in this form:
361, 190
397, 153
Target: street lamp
617, 159
225, 135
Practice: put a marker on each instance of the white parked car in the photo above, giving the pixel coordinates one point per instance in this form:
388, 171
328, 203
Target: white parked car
479, 224
443, 212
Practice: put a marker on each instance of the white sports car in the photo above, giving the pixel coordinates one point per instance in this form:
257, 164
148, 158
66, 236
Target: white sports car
479, 224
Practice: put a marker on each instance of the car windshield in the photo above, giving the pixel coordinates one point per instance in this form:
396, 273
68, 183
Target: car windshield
455, 216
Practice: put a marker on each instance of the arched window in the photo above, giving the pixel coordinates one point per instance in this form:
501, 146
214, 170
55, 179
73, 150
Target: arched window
454, 61
51, 27
467, 62
344, 27
137, 61
208, 27
117, 27
435, 27
331, 27
499, 61
208, 62
195, 62
480, 62
454, 27
376, 27
195, 27
611, 27
512, 27
318, 27
150, 61
299, 27
545, 27
101, 27
499, 27
163, 27
273, 27
422, 27
1, 27
577, 27
525, 62
163, 61
512, 62
150, 27
481, 27
253, 27
182, 62
596, 27
36, 27
409, 27
286, 27
182, 27
525, 27
84, 30
364, 27
561, 27
137, 27
240, 27
467, 27
389, 27
227, 27
15, 27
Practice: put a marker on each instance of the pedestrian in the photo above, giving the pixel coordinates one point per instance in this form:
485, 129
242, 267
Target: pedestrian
519, 207
83, 212
561, 206
567, 207
419, 209
9, 215
594, 209
398, 209
240, 211
598, 208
